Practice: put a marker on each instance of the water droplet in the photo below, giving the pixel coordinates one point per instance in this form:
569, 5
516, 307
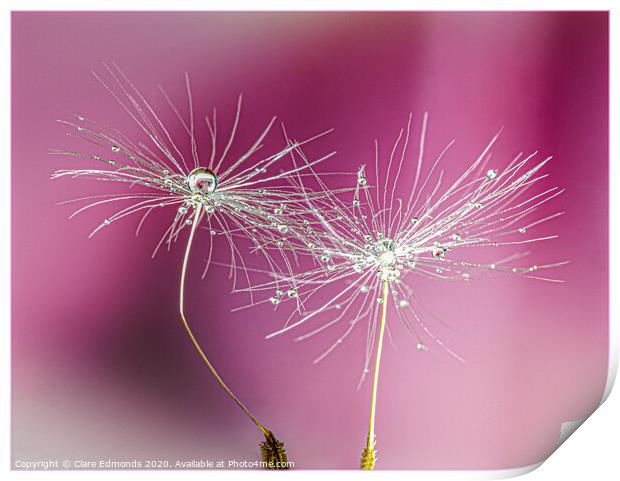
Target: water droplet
386, 250
361, 180
115, 148
356, 202
456, 237
415, 220
403, 303
80, 117
522, 230
385, 245
188, 222
213, 232
364, 289
182, 210
292, 292
368, 238
283, 228
106, 222
279, 243
275, 300
325, 258
439, 252
491, 174
202, 180
96, 157
421, 347
165, 171
210, 209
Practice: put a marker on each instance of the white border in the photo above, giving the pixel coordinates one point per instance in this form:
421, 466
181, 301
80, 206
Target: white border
587, 454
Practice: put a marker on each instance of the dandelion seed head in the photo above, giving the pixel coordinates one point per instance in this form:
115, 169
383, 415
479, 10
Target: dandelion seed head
244, 198
427, 234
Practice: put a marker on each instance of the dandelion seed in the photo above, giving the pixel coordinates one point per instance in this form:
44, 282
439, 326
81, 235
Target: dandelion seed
470, 213
232, 194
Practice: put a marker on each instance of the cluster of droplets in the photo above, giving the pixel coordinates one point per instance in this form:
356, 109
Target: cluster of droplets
280, 295
384, 255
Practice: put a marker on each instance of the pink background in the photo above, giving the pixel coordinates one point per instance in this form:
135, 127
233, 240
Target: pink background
101, 366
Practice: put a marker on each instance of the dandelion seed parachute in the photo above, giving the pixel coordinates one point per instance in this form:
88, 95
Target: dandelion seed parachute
239, 199
375, 243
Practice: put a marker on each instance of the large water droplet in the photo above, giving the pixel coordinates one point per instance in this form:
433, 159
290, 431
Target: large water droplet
439, 252
283, 228
385, 250
491, 174
202, 180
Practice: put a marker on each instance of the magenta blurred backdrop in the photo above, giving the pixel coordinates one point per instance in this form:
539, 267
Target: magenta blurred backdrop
101, 366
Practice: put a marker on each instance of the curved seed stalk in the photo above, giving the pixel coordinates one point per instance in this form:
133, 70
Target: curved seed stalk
272, 451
